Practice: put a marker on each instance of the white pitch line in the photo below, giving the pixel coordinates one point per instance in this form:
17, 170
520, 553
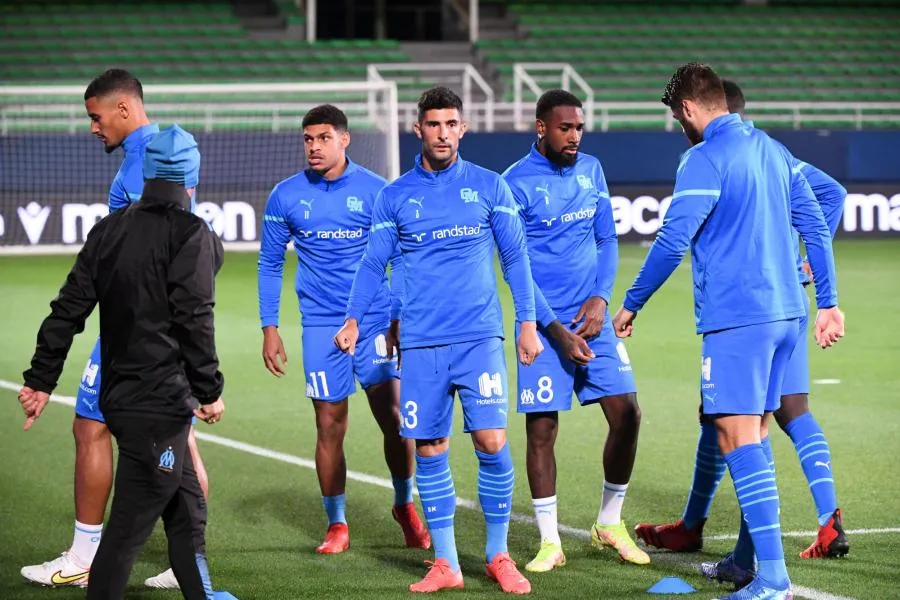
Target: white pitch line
826, 381
811, 533
667, 557
686, 561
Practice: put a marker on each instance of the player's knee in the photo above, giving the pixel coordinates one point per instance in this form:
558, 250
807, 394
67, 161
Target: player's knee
623, 412
331, 427
489, 441
541, 429
735, 431
792, 406
432, 447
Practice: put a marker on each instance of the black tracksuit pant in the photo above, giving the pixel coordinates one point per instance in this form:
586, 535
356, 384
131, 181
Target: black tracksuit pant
155, 477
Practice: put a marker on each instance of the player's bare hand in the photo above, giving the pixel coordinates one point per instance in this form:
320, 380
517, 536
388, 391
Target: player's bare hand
829, 326
528, 345
33, 403
623, 322
273, 352
574, 347
211, 413
593, 312
392, 339
347, 336
807, 269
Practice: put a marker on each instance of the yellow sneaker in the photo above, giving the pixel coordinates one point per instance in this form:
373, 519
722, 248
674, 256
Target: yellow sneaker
548, 558
617, 537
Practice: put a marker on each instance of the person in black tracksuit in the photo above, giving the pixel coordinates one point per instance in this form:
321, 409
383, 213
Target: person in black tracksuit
151, 267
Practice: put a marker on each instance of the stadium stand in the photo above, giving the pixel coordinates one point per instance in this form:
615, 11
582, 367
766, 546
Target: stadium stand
173, 43
184, 42
787, 51
827, 51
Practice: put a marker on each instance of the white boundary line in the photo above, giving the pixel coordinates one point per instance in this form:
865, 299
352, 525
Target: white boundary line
667, 557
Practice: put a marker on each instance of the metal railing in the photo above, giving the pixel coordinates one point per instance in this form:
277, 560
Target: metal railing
463, 76
279, 106
526, 74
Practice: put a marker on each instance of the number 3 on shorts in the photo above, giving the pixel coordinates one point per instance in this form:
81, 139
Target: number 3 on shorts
410, 420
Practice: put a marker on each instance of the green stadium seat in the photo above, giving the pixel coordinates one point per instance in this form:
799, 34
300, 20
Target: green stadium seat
833, 51
830, 51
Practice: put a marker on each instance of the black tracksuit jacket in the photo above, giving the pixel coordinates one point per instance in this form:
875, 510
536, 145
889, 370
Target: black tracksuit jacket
151, 267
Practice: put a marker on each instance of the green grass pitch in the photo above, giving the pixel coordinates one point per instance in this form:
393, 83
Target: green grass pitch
266, 515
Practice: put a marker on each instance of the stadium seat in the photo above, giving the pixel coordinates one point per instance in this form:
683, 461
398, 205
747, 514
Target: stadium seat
788, 51
823, 50
168, 42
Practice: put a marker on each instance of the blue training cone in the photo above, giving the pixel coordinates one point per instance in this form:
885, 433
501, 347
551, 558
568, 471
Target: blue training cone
671, 585
223, 596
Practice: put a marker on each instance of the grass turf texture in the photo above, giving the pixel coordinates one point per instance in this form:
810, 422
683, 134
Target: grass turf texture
266, 515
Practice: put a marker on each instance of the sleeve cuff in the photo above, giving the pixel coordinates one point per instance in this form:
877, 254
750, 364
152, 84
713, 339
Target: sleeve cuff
39, 386
526, 315
631, 304
605, 294
828, 302
547, 317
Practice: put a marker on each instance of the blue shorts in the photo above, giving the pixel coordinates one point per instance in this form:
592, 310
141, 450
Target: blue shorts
547, 385
330, 372
743, 368
796, 377
87, 403
474, 370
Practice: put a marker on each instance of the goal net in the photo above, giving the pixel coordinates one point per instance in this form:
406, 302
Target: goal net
55, 176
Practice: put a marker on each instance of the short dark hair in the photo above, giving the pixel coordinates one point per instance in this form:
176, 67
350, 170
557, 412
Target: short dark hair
553, 98
114, 80
437, 98
325, 114
734, 96
694, 81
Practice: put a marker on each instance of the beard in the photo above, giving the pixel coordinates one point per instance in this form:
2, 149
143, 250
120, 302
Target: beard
694, 135
558, 158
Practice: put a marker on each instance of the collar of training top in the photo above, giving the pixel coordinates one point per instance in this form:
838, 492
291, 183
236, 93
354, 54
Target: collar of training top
721, 123
315, 179
135, 139
443, 176
162, 191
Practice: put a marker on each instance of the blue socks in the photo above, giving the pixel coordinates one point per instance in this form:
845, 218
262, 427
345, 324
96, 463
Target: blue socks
496, 479
709, 469
403, 490
743, 549
438, 497
754, 483
815, 459
334, 508
335, 505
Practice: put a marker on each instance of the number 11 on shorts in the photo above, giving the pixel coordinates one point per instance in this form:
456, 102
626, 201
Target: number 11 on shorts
315, 384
